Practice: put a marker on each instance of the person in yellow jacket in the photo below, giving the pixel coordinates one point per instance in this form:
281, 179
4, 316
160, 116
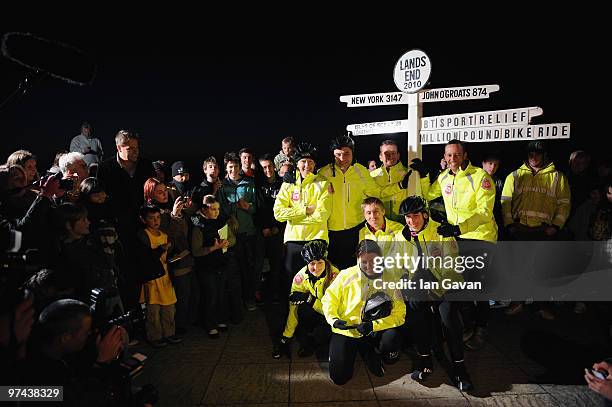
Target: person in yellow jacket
536, 197
355, 326
391, 172
535, 205
305, 205
350, 183
378, 228
468, 193
305, 309
469, 199
422, 238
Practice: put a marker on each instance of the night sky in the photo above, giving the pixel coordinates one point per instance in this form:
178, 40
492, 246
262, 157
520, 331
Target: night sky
192, 95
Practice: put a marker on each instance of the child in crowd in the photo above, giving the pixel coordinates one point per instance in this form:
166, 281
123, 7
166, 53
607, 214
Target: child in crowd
157, 294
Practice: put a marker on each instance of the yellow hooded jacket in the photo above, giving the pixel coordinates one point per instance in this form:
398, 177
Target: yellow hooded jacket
303, 284
532, 199
469, 197
434, 247
290, 205
346, 297
384, 178
350, 189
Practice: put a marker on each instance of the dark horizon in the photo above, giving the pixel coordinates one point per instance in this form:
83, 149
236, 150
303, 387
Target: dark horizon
189, 100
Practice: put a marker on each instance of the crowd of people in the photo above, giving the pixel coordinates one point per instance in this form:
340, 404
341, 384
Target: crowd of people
299, 228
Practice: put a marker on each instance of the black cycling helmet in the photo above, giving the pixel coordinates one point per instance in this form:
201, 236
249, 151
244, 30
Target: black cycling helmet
344, 140
377, 306
368, 246
305, 150
314, 250
413, 204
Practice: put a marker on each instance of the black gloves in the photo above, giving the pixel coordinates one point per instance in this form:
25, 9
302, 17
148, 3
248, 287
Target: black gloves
448, 230
418, 165
365, 328
404, 181
289, 177
297, 298
340, 324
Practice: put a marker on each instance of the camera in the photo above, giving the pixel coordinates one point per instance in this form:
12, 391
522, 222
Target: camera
103, 303
67, 184
121, 372
600, 374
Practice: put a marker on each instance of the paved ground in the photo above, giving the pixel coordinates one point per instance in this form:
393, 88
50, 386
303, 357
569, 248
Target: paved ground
237, 369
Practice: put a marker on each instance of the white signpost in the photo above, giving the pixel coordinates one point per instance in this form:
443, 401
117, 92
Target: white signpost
411, 75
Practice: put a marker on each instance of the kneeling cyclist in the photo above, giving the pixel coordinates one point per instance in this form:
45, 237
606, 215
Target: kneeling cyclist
305, 310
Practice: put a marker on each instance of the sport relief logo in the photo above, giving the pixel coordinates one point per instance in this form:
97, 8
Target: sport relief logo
295, 196
448, 189
486, 184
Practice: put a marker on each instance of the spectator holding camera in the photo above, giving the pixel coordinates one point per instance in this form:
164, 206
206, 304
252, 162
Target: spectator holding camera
73, 167
58, 359
599, 379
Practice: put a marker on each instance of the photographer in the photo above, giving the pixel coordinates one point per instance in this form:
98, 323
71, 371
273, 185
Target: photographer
63, 330
84, 257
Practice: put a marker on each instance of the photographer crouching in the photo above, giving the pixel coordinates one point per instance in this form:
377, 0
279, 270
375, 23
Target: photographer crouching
61, 357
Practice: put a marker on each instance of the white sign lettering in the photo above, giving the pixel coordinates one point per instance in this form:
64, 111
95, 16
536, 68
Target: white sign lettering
365, 129
460, 93
375, 99
497, 133
516, 117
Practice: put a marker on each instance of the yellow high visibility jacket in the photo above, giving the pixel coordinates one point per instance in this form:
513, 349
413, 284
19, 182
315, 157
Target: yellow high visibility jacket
437, 250
386, 238
290, 205
346, 297
532, 199
384, 178
469, 197
303, 284
349, 191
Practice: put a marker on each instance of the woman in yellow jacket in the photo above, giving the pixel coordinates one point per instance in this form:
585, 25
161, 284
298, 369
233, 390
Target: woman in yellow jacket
305, 318
356, 328
422, 239
305, 206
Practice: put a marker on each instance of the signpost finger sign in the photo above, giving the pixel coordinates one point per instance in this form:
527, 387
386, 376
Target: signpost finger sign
411, 74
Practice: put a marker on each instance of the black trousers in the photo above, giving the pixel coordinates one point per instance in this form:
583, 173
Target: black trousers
273, 248
293, 260
250, 267
342, 247
221, 295
476, 311
311, 323
421, 320
343, 351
